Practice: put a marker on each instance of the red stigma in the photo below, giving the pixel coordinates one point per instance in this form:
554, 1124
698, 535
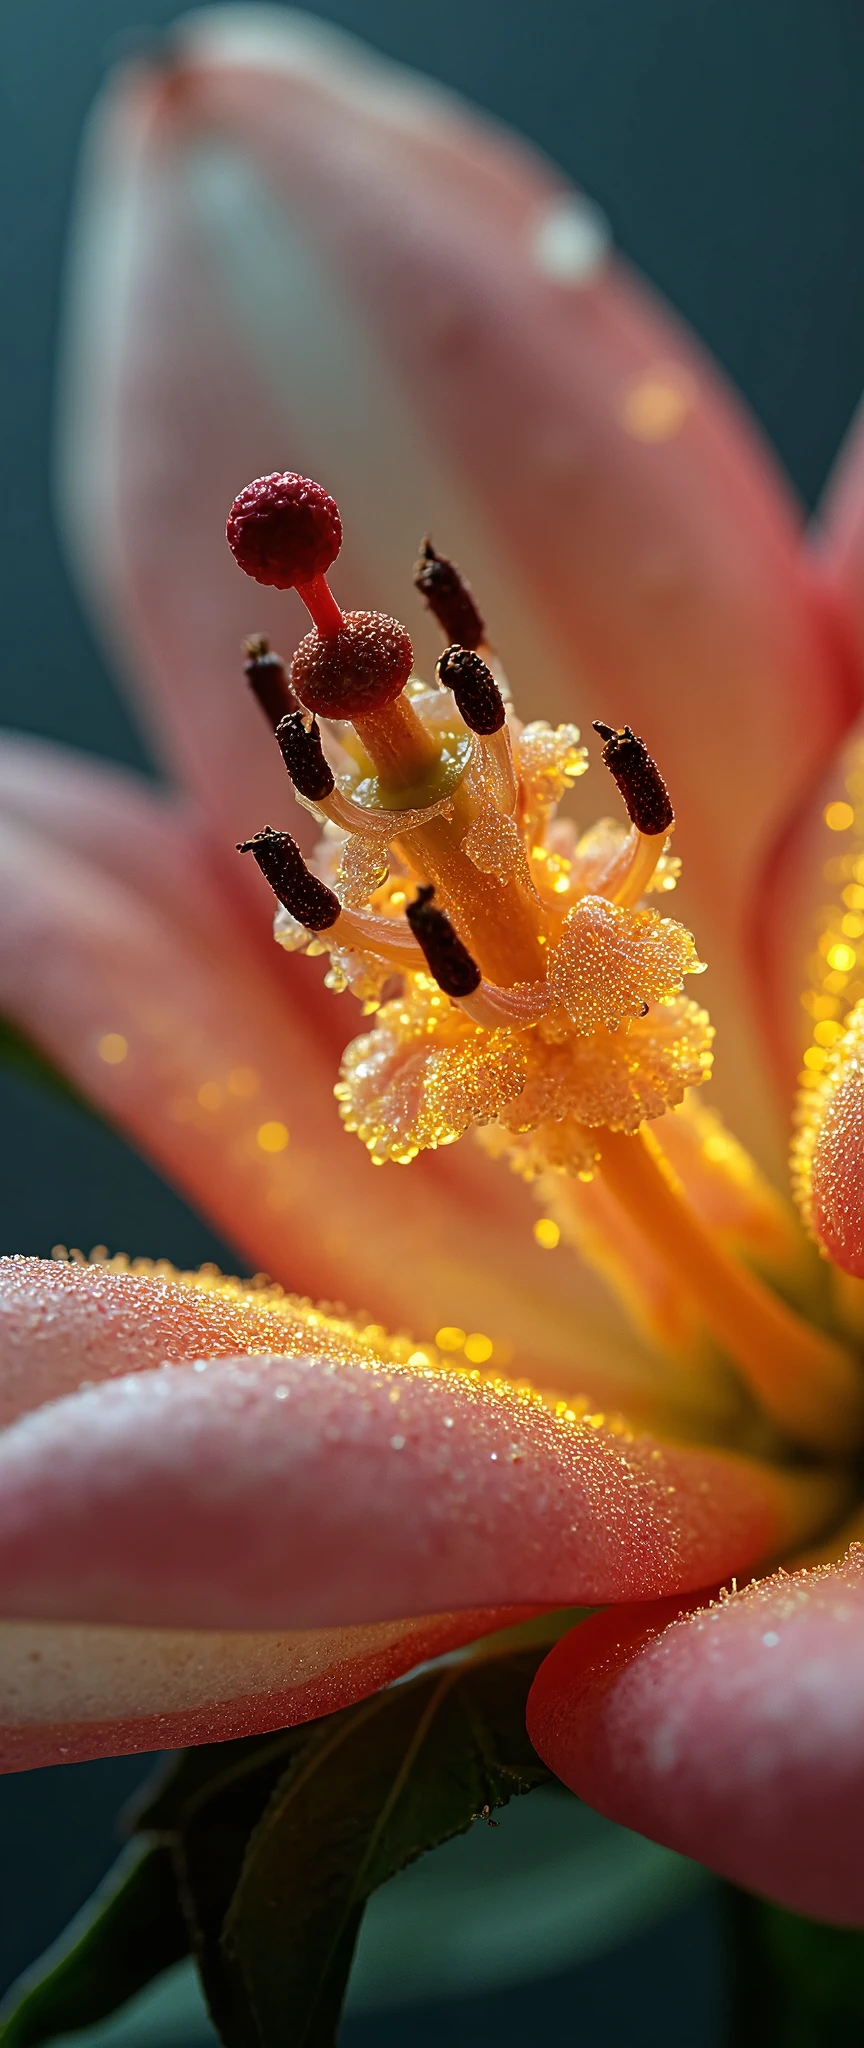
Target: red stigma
354, 671
285, 530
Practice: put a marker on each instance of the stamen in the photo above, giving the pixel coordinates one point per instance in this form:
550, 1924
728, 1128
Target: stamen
304, 757
267, 677
447, 959
478, 698
629, 873
638, 778
301, 892
449, 597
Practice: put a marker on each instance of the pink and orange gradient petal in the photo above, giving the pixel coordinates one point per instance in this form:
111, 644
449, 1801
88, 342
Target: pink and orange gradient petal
68, 1693
839, 530
427, 318
732, 1732
287, 1492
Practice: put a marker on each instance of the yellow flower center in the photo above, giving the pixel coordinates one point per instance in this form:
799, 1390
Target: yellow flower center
519, 980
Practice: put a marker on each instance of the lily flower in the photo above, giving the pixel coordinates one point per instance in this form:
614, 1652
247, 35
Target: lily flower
224, 1509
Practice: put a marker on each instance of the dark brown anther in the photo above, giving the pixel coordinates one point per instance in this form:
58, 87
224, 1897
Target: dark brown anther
267, 677
304, 757
448, 597
283, 866
477, 695
638, 778
446, 958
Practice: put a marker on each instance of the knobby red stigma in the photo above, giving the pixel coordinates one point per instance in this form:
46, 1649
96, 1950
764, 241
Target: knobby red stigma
285, 530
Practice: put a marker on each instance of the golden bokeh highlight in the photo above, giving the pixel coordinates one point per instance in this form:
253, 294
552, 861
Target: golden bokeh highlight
547, 1233
113, 1048
272, 1136
478, 1348
450, 1338
839, 816
655, 408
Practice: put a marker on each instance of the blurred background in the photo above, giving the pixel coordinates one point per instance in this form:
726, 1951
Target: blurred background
724, 141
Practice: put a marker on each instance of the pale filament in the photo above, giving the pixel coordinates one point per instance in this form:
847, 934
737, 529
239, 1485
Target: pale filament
632, 868
388, 938
497, 768
521, 1005
341, 810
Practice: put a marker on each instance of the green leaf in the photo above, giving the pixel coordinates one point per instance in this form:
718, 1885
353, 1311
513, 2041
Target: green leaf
132, 1930
21, 1057
797, 1983
214, 1827
369, 1790
268, 1848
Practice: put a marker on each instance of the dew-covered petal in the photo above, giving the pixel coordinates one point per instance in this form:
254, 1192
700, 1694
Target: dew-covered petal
64, 1327
828, 1150
807, 926
426, 317
733, 1733
296, 1492
68, 1692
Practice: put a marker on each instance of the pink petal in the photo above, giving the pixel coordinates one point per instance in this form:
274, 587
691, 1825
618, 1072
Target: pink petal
328, 263
67, 1693
800, 897
835, 1139
840, 530
794, 890
734, 1734
299, 1492
113, 932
